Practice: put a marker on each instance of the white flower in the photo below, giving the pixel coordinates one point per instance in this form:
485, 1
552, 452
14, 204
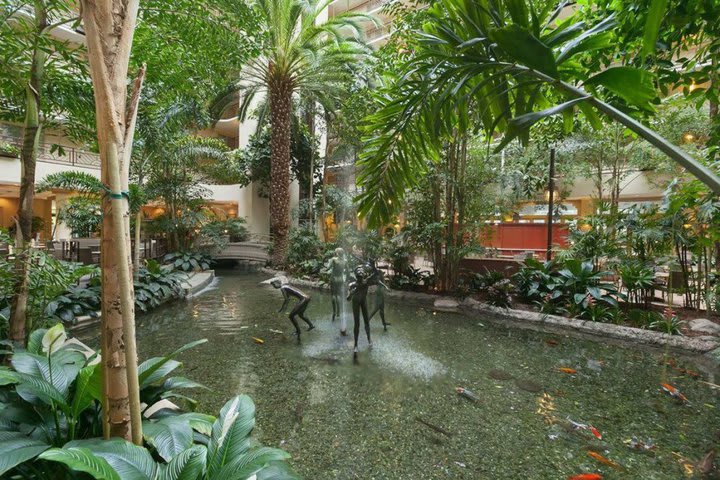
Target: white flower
54, 338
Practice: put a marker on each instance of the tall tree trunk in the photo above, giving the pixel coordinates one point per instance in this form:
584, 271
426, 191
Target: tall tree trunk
328, 153
280, 104
19, 321
109, 28
310, 122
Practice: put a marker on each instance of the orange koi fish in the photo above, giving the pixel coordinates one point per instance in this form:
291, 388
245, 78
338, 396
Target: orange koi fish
586, 476
605, 461
569, 371
259, 341
595, 432
552, 342
674, 392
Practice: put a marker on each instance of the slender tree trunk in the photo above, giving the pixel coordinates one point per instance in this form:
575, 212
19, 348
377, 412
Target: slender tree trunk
280, 104
310, 122
138, 226
109, 28
20, 323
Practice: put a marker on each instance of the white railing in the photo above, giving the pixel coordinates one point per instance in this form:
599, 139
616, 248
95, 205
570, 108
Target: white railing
60, 154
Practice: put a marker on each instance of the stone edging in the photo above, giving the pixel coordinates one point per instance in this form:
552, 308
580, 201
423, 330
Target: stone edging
534, 320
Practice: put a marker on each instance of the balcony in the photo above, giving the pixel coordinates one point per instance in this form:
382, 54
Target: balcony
377, 34
61, 155
369, 7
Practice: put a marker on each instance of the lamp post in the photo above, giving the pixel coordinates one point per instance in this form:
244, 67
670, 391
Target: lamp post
551, 199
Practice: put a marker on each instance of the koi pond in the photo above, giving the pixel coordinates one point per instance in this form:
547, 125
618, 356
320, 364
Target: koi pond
395, 414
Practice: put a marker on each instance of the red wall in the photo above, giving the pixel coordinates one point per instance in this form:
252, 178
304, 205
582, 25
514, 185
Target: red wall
522, 236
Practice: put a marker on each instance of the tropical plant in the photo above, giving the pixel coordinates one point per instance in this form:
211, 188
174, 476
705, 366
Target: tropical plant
493, 64
600, 313
638, 279
582, 283
49, 278
43, 77
188, 261
157, 283
571, 286
306, 253
51, 412
498, 292
76, 181
300, 55
82, 215
594, 239
668, 323
535, 281
233, 228
76, 301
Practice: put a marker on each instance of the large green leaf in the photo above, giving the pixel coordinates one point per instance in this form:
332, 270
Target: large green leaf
154, 369
592, 39
66, 365
16, 448
230, 432
35, 340
32, 389
523, 122
188, 465
652, 25
199, 422
523, 47
87, 389
249, 463
169, 436
277, 471
633, 85
82, 460
129, 461
147, 370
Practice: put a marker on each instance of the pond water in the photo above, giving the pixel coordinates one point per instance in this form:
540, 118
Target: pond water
395, 414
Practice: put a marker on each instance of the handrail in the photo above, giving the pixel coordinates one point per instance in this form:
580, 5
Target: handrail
65, 156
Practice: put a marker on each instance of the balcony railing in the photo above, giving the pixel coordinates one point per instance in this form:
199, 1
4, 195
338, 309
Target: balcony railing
377, 33
61, 155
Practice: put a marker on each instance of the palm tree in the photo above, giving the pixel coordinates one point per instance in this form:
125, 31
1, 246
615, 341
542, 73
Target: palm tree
493, 65
302, 57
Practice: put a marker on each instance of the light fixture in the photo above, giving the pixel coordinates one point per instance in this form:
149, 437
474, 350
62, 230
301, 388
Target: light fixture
688, 137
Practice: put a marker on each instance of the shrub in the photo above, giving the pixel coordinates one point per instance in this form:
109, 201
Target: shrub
496, 288
51, 414
306, 254
50, 278
156, 284
570, 287
188, 261
83, 215
668, 323
75, 302
234, 228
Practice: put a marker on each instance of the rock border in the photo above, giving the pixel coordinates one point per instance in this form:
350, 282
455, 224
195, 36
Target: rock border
706, 345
